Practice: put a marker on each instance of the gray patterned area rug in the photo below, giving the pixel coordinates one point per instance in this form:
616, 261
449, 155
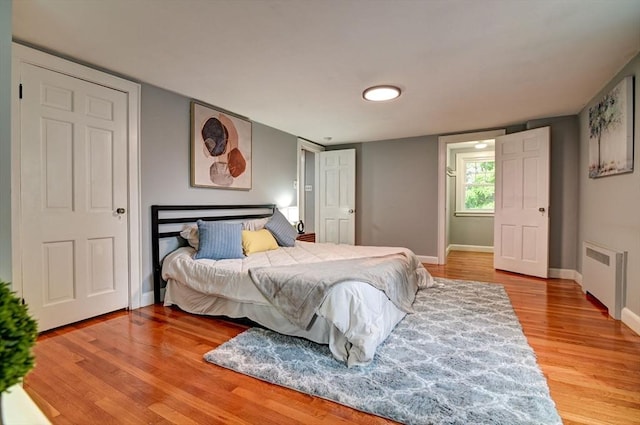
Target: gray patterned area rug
460, 359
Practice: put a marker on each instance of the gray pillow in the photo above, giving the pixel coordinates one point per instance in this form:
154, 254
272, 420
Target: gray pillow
281, 229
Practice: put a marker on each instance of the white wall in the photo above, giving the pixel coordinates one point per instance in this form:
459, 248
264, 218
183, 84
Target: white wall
5, 141
610, 206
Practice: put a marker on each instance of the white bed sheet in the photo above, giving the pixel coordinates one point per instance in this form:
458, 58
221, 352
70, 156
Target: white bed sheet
354, 318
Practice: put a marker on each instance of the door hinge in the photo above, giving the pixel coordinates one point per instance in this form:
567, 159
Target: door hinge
22, 299
20, 91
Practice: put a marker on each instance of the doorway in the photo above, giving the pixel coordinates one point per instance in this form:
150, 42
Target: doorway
459, 227
307, 184
471, 195
326, 193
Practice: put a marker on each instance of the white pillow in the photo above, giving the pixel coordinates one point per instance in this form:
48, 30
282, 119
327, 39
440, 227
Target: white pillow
190, 233
255, 224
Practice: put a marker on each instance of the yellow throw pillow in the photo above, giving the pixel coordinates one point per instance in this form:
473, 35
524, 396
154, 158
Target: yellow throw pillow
257, 241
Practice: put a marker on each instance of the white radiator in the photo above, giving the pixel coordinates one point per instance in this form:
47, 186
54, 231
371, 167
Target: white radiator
604, 273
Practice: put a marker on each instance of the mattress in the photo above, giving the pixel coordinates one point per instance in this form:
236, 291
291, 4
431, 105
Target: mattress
353, 319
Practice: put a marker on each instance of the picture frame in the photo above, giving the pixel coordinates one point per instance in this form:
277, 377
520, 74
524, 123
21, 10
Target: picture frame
220, 148
611, 131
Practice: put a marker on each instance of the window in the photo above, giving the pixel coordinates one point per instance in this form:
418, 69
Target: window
475, 183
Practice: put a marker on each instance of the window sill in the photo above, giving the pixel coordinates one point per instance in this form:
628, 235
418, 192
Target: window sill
473, 214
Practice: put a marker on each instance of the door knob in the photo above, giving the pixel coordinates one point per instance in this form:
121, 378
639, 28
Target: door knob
351, 211
120, 211
541, 209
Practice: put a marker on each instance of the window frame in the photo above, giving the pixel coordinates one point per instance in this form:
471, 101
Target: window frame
461, 159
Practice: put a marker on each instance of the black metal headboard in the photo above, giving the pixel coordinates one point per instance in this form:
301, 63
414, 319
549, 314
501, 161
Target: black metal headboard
165, 219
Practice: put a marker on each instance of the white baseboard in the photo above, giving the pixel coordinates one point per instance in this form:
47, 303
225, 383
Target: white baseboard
631, 319
563, 274
578, 278
473, 248
147, 299
427, 259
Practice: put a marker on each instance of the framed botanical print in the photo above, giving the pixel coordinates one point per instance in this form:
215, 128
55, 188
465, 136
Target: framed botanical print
611, 131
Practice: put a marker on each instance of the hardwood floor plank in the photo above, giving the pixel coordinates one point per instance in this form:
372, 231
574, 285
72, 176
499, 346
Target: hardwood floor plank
146, 365
171, 415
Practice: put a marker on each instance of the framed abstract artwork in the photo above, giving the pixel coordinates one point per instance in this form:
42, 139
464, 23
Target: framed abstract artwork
220, 149
611, 132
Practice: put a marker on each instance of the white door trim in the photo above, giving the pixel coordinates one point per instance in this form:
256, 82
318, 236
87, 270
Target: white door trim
443, 141
305, 145
23, 54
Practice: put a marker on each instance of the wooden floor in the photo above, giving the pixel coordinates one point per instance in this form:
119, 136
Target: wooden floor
146, 366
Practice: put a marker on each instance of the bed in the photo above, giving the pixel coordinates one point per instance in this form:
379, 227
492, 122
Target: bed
349, 297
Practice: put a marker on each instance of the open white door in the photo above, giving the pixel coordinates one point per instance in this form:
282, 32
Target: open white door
337, 189
521, 226
73, 173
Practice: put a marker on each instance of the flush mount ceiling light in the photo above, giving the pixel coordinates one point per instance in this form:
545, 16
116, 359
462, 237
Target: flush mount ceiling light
481, 144
381, 93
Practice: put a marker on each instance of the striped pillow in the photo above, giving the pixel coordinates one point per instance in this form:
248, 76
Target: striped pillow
219, 241
281, 229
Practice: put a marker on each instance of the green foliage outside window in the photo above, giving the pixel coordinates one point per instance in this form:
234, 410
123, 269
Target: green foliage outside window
479, 190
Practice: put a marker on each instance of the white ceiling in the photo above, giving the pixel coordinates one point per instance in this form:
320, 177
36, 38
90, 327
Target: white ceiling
301, 66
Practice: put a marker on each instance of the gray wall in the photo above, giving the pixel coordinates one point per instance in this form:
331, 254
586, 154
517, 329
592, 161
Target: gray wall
609, 212
474, 231
5, 141
563, 209
397, 191
165, 127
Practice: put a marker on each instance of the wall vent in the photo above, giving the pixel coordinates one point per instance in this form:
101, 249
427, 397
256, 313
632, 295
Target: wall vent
604, 276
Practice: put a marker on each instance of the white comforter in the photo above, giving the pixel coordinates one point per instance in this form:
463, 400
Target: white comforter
361, 318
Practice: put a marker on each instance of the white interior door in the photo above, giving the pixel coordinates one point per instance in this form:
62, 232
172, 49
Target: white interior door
337, 189
73, 173
521, 226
